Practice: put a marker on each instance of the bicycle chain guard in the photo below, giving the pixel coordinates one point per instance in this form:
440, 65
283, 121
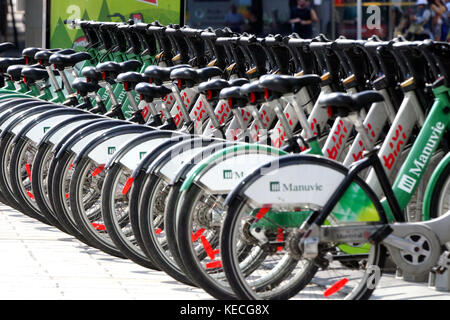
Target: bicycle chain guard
414, 248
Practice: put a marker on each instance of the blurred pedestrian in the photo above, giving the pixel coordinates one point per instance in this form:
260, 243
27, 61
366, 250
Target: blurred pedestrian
401, 19
234, 20
3, 20
253, 25
420, 22
302, 17
314, 17
438, 10
446, 31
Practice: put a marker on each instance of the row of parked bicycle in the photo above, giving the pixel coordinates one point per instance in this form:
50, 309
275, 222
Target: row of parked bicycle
253, 168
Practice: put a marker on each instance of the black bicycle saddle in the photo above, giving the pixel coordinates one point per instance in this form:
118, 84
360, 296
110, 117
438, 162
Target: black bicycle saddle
288, 84
158, 75
130, 79
150, 92
91, 74
15, 71
5, 63
32, 74
43, 56
84, 87
342, 104
5, 46
62, 61
234, 97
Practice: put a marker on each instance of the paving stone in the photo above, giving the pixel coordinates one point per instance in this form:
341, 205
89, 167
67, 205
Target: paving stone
41, 262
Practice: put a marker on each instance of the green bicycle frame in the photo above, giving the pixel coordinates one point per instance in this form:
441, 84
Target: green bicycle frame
118, 89
419, 157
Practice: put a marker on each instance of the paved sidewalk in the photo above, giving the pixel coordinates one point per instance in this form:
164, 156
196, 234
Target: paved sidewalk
41, 262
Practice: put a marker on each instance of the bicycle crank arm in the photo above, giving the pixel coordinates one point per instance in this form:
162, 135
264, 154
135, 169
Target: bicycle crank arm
414, 247
354, 233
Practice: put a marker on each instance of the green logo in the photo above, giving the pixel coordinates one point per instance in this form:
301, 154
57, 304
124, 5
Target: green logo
231, 174
274, 186
45, 129
142, 154
227, 174
111, 150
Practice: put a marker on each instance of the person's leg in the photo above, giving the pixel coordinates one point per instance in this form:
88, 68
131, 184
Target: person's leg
444, 32
3, 21
437, 31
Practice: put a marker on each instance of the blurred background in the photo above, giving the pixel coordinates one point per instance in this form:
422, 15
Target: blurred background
334, 17
40, 22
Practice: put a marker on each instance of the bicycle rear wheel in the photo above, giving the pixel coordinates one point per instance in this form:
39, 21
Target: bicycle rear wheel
85, 205
39, 184
20, 177
339, 271
440, 198
283, 275
152, 208
115, 212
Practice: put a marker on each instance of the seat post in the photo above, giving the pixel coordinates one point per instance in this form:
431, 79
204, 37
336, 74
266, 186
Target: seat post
242, 126
72, 71
282, 117
66, 82
52, 77
110, 91
211, 114
132, 102
302, 118
179, 99
359, 126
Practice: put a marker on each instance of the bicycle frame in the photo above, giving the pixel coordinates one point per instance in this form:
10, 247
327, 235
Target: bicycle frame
398, 196
378, 114
411, 172
425, 145
404, 185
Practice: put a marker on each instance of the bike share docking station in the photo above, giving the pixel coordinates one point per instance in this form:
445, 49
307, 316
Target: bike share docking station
440, 275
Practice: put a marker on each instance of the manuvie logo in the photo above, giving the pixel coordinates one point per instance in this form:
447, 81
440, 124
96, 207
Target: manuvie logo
231, 174
111, 150
153, 2
407, 183
274, 186
227, 174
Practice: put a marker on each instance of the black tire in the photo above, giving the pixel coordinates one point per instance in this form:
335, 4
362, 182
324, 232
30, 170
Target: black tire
441, 187
135, 196
4, 106
21, 177
170, 224
91, 224
116, 224
39, 184
194, 253
305, 281
5, 161
59, 187
234, 280
44, 167
148, 230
